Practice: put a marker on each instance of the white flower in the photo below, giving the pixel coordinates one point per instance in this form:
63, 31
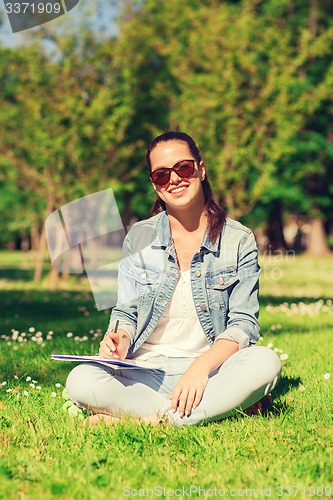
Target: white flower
31, 329
9, 390
15, 377
261, 338
34, 381
38, 387
327, 376
28, 379
58, 385
26, 393
270, 345
32, 385
283, 357
69, 334
53, 394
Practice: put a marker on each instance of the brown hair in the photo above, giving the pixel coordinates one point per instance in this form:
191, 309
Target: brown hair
216, 216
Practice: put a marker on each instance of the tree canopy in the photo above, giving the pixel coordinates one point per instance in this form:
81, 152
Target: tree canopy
251, 81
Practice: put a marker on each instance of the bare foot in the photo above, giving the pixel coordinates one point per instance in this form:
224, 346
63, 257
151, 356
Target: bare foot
110, 420
154, 419
100, 417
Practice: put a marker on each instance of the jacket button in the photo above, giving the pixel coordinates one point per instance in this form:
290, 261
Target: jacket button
221, 281
144, 275
203, 308
198, 274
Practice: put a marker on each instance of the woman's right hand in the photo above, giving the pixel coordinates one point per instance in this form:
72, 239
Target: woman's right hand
115, 345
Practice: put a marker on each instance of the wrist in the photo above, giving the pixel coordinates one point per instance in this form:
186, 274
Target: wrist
201, 364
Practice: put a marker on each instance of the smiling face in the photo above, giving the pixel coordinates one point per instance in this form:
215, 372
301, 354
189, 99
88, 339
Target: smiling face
179, 193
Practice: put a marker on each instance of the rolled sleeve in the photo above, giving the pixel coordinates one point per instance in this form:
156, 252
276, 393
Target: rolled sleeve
236, 335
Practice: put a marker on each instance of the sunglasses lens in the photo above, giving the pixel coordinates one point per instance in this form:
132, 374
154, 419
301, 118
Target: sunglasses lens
183, 169
161, 177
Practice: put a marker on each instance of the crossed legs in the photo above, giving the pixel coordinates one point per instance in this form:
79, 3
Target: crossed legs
245, 378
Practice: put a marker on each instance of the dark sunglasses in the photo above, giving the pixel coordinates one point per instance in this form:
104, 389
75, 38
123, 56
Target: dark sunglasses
184, 169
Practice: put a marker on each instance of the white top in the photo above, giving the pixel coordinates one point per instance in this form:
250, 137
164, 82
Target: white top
178, 333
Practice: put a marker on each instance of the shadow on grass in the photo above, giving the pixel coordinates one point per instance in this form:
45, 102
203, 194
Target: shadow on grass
21, 274
17, 274
266, 300
60, 311
279, 406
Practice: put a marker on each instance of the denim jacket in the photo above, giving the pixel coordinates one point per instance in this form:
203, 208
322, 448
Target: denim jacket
224, 281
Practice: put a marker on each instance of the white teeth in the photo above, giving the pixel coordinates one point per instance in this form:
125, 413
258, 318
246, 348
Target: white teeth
178, 190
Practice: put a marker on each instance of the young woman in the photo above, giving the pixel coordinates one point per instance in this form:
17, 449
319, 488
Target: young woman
187, 301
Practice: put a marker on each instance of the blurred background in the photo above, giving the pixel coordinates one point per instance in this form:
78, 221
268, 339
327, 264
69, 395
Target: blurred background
251, 81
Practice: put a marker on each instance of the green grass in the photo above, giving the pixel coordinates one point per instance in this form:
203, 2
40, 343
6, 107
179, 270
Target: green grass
46, 454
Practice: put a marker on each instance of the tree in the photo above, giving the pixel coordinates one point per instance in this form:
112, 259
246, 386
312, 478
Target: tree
244, 88
63, 122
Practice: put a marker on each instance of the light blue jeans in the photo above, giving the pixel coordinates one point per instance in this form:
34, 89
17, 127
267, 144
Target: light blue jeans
247, 376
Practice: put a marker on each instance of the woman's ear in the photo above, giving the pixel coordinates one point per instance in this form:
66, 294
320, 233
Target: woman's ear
202, 170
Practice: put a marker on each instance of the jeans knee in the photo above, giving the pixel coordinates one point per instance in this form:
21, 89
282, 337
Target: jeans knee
268, 366
76, 383
272, 365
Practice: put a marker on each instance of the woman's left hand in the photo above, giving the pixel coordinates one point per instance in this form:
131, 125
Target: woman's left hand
189, 389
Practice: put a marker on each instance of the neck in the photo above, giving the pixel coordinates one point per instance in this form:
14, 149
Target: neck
187, 220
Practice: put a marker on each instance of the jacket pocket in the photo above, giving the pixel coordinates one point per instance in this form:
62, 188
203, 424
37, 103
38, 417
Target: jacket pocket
219, 285
147, 279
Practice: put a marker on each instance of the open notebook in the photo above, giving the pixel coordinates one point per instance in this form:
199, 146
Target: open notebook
114, 363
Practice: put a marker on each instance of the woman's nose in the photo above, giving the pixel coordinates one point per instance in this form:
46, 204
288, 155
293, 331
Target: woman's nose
174, 178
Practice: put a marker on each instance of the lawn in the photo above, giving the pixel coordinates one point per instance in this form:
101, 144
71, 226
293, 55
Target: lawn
44, 453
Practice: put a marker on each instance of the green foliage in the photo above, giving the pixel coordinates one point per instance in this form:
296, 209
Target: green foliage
246, 82
251, 81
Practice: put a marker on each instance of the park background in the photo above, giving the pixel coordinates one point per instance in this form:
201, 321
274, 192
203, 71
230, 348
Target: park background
80, 99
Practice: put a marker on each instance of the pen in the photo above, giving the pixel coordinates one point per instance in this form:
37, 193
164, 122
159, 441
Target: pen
115, 331
116, 326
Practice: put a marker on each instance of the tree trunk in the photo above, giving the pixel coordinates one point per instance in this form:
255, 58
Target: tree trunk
317, 245
53, 278
127, 212
40, 256
314, 17
34, 236
274, 231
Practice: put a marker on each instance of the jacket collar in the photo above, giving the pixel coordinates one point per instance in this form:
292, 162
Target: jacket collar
163, 238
